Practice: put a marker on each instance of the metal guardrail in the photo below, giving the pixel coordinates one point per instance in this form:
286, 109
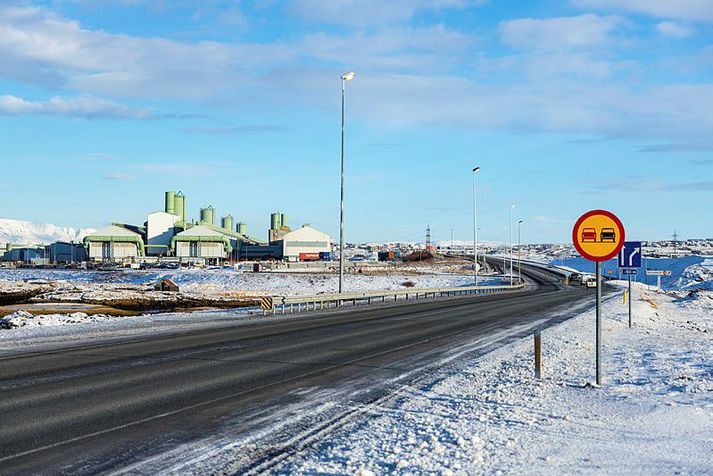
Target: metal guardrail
327, 301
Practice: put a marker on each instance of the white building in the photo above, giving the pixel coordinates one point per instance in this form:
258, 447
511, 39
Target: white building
305, 240
114, 243
159, 231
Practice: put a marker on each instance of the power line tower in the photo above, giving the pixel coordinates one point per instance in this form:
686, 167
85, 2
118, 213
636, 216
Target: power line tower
428, 235
675, 243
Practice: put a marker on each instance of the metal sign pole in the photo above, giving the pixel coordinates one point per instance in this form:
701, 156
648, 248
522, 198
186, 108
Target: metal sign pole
630, 301
599, 324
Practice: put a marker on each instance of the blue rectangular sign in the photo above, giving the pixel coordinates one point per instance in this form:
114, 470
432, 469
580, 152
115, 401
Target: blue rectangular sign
630, 255
629, 272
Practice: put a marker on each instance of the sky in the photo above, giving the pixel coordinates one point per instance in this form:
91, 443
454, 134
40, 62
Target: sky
565, 105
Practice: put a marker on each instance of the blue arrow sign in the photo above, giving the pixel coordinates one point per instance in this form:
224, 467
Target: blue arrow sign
628, 272
630, 255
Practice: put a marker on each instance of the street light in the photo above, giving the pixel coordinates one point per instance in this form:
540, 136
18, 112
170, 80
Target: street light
345, 77
510, 231
475, 228
519, 253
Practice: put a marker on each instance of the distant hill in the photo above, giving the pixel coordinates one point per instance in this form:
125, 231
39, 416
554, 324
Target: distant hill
22, 232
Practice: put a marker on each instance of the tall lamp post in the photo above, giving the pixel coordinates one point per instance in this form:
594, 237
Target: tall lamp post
510, 231
345, 77
519, 253
475, 228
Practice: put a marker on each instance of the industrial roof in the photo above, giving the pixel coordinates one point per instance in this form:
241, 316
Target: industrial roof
113, 230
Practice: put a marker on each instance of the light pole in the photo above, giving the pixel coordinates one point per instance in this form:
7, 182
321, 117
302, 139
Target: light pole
510, 231
475, 228
345, 77
519, 253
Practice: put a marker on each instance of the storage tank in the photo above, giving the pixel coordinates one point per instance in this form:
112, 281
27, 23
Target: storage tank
242, 228
179, 206
274, 221
283, 220
226, 222
208, 215
170, 205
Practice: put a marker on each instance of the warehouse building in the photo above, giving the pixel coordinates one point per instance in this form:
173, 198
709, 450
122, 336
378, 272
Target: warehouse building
304, 244
26, 253
115, 243
62, 252
204, 242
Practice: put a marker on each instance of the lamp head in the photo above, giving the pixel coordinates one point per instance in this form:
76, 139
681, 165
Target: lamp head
348, 76
476, 169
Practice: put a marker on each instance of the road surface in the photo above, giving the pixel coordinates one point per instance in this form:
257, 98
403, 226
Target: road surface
103, 407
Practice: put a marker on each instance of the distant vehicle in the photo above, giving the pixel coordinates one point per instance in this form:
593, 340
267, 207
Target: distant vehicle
590, 281
607, 234
357, 258
575, 278
589, 235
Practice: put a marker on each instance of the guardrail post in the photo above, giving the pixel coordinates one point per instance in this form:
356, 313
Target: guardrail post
538, 355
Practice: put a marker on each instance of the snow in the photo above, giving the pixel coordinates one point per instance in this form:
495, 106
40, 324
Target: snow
692, 266
26, 232
654, 413
219, 280
27, 319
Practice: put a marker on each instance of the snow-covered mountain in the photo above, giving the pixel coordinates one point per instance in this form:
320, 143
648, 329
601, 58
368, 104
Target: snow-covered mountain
29, 233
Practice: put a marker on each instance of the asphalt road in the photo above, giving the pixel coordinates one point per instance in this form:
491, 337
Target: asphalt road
97, 408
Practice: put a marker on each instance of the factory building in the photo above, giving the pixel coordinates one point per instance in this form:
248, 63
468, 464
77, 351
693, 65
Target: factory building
305, 244
115, 243
160, 228
25, 254
169, 233
202, 241
62, 252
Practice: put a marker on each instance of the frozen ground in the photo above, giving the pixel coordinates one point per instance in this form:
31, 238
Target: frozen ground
218, 280
653, 415
21, 329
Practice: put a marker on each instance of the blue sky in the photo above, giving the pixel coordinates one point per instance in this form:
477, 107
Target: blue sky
566, 106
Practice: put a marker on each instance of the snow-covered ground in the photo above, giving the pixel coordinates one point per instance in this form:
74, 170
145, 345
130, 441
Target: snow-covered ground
653, 415
688, 272
287, 284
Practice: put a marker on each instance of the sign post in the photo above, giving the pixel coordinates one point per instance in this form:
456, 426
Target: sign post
629, 261
598, 235
658, 273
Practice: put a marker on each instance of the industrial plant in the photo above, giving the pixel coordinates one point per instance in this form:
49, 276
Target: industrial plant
170, 236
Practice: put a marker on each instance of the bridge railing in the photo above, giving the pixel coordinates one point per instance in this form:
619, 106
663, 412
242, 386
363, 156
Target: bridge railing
291, 304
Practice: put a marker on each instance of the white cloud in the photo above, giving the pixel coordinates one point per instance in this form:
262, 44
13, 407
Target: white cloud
673, 30
370, 13
119, 176
694, 10
582, 31
85, 106
97, 62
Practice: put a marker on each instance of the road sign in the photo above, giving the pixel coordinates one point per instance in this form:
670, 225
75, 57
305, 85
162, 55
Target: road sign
266, 303
598, 235
657, 272
630, 255
629, 272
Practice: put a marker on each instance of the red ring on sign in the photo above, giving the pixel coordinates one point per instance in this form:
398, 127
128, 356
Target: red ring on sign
586, 255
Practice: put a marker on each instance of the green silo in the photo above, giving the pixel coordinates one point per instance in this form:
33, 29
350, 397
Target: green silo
170, 203
226, 222
208, 215
275, 221
179, 206
241, 228
283, 219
